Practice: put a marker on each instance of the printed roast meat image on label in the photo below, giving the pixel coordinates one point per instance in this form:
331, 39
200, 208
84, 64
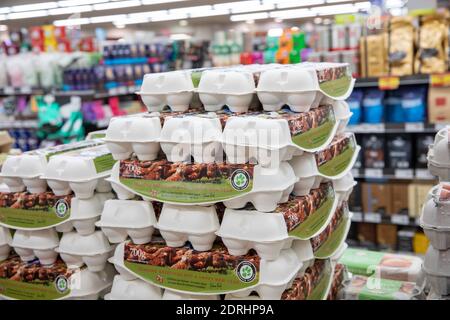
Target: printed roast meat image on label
33, 281
28, 211
188, 270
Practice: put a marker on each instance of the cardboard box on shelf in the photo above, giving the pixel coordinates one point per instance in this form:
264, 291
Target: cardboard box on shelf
422, 193
412, 200
376, 197
387, 235
367, 232
373, 55
399, 198
438, 105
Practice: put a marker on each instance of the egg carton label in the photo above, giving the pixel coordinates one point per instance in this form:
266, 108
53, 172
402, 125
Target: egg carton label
100, 156
331, 238
28, 211
375, 288
65, 148
186, 183
337, 157
31, 281
334, 81
313, 285
184, 269
305, 216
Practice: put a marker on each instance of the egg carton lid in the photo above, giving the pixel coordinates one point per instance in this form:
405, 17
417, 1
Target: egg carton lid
190, 219
137, 214
5, 236
90, 245
142, 127
91, 282
35, 240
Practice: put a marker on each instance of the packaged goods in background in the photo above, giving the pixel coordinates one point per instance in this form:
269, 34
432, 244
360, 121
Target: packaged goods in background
438, 105
374, 151
352, 58
373, 107
355, 104
366, 233
432, 42
40, 244
399, 151
437, 270
376, 197
401, 37
355, 199
374, 61
338, 37
405, 239
390, 266
387, 236
399, 198
21, 280
373, 288
127, 218
422, 143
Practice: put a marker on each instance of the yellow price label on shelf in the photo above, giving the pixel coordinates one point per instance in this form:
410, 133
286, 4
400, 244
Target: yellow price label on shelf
440, 80
388, 83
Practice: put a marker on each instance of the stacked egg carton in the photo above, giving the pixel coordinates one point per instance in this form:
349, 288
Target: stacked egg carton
435, 217
32, 216
285, 215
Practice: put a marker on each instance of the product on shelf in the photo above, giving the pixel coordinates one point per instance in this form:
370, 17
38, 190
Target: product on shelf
438, 105
374, 151
422, 143
376, 197
401, 36
374, 62
386, 236
372, 106
399, 198
399, 152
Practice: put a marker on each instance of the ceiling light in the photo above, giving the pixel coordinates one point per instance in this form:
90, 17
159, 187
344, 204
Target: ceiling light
394, 4
250, 21
278, 20
27, 14
72, 3
71, 22
5, 10
148, 14
69, 10
2, 17
36, 6
132, 21
3, 27
190, 9
275, 32
169, 17
249, 16
366, 5
318, 20
149, 2
293, 3
209, 13
180, 36
117, 5
292, 14
335, 9
112, 18
119, 26
183, 23
244, 6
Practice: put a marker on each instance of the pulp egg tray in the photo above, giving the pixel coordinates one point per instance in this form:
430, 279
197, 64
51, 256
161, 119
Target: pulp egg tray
439, 156
304, 86
203, 184
226, 87
123, 218
84, 213
437, 270
93, 250
374, 288
81, 171
133, 290
269, 233
137, 134
173, 295
343, 114
5, 243
344, 186
174, 89
20, 172
34, 281
274, 276
196, 224
39, 244
435, 217
333, 163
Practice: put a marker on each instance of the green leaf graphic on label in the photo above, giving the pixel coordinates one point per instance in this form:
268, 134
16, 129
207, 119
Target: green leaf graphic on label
334, 241
339, 163
336, 88
315, 221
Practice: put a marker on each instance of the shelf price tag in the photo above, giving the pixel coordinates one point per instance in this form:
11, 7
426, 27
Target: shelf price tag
440, 80
372, 217
357, 217
404, 173
388, 83
414, 126
373, 173
424, 174
401, 219
8, 90
25, 90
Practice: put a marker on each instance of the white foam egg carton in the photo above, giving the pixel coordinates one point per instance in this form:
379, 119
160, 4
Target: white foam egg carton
127, 218
174, 89
196, 224
198, 136
81, 171
439, 155
299, 86
307, 166
133, 290
93, 250
87, 285
5, 243
226, 87
84, 213
138, 134
173, 295
117, 261
39, 244
435, 217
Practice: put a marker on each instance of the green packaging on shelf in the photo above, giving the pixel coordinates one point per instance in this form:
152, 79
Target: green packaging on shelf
32, 281
384, 265
37, 211
374, 288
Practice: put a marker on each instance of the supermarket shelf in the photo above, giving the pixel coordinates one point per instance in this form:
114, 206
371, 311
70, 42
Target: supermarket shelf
120, 91
395, 219
11, 91
18, 124
404, 81
407, 127
393, 174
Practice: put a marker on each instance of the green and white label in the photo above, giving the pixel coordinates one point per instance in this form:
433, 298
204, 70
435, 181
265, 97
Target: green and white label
337, 158
335, 82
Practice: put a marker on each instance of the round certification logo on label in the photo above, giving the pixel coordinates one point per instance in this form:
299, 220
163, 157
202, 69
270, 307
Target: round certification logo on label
240, 179
246, 271
61, 208
61, 284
